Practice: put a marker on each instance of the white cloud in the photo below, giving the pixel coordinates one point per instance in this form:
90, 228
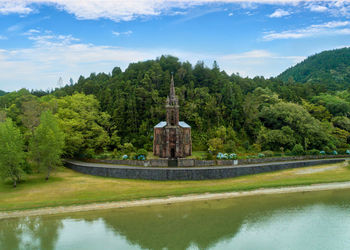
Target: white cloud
279, 13
118, 10
53, 56
329, 28
230, 14
3, 37
318, 8
126, 33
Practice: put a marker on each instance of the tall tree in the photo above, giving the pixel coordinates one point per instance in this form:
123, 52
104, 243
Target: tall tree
11, 152
46, 146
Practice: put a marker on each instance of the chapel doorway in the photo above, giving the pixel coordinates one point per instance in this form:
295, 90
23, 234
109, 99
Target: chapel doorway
172, 152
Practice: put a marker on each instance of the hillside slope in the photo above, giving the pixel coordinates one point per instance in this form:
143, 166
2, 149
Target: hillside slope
2, 93
331, 68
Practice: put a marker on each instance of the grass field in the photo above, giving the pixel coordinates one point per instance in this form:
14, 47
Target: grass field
67, 187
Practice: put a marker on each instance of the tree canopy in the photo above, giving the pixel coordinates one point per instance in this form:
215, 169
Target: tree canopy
117, 111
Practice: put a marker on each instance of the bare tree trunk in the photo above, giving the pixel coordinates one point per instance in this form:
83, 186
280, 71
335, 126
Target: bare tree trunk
48, 173
14, 183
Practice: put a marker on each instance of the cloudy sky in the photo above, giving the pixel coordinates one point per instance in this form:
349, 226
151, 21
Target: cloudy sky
43, 40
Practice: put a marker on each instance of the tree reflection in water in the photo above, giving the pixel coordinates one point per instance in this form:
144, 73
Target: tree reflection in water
177, 226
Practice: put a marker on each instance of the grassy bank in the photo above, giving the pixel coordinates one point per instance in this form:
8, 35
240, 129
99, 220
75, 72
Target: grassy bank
67, 187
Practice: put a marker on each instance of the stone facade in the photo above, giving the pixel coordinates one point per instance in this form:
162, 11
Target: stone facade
172, 138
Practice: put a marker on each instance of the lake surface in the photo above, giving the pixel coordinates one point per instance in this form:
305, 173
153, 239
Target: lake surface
315, 220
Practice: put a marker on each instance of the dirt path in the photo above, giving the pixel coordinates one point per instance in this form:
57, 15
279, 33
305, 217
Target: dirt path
169, 200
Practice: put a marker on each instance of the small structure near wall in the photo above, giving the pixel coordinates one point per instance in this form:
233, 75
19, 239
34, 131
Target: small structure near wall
172, 138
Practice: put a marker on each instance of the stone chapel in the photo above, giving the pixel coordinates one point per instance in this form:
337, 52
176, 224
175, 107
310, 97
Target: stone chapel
172, 138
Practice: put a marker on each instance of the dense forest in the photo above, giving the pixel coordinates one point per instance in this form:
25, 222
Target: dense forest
306, 108
331, 68
2, 92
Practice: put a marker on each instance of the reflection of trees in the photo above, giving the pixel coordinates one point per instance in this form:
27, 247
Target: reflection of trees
38, 232
10, 234
201, 224
178, 226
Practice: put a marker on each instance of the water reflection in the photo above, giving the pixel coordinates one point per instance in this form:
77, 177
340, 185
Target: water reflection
29, 233
290, 221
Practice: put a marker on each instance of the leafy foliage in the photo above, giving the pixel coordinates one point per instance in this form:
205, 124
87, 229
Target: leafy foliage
117, 112
330, 68
46, 146
11, 152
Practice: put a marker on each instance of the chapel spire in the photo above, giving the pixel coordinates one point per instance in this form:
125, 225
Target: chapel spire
172, 98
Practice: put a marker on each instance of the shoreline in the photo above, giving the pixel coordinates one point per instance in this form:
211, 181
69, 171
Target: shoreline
170, 200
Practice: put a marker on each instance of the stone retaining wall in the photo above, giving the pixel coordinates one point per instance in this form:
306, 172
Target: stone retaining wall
202, 173
202, 163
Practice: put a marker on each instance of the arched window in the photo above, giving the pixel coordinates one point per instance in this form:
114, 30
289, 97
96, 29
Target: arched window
172, 118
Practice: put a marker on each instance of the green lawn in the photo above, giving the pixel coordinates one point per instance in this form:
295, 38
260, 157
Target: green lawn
67, 187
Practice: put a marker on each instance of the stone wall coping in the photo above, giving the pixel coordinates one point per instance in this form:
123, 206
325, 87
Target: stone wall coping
104, 165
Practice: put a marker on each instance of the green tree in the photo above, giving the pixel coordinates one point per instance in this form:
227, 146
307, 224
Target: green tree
11, 152
215, 145
83, 124
46, 146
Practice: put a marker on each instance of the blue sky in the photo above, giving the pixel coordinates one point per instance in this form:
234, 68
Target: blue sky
43, 40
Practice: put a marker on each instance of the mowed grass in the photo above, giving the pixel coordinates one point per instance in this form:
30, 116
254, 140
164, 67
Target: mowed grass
67, 187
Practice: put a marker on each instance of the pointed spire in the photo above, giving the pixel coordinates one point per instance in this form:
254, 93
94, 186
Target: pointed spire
172, 98
172, 88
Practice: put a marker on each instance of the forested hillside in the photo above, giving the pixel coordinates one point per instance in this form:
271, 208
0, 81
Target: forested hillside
228, 113
331, 68
2, 92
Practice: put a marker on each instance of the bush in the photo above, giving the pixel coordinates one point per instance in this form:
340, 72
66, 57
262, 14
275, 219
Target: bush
341, 151
313, 152
288, 152
141, 154
209, 156
298, 150
88, 154
261, 155
128, 148
232, 156
220, 156
268, 153
102, 156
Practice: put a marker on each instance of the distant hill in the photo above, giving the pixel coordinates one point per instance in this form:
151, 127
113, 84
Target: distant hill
2, 93
331, 68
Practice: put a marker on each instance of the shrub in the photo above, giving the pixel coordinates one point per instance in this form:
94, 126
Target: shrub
102, 156
220, 156
232, 156
88, 154
313, 152
261, 155
141, 154
268, 153
127, 148
341, 151
288, 152
209, 156
298, 150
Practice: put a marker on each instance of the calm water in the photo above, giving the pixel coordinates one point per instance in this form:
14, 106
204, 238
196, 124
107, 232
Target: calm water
319, 220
